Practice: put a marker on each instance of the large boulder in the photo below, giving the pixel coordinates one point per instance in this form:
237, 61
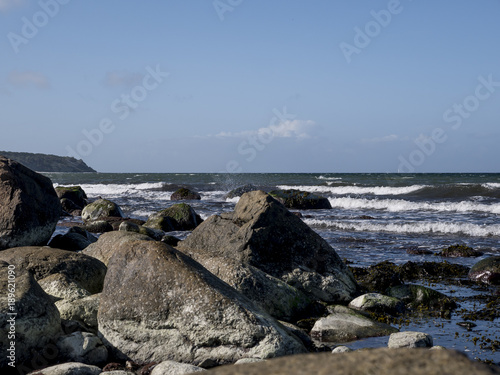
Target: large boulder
28, 317
74, 193
109, 243
262, 234
180, 216
83, 270
381, 361
158, 304
29, 207
345, 325
486, 271
100, 209
301, 200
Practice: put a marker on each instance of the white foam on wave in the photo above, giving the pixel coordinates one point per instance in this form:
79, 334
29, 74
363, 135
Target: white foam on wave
399, 205
492, 185
125, 190
329, 178
467, 229
358, 190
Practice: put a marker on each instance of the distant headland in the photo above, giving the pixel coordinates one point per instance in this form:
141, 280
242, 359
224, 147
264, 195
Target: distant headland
48, 163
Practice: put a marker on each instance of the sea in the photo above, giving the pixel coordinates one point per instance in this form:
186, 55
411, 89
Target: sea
374, 217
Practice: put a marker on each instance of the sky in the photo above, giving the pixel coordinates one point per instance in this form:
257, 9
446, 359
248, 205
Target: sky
253, 85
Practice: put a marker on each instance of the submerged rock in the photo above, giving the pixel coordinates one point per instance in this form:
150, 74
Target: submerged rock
158, 303
262, 247
301, 200
416, 296
486, 271
459, 251
185, 194
29, 206
345, 325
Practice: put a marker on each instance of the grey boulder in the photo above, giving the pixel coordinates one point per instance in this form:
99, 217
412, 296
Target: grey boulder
158, 303
28, 317
270, 245
345, 325
29, 206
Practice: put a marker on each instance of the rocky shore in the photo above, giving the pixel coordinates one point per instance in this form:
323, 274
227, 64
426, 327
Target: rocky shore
121, 295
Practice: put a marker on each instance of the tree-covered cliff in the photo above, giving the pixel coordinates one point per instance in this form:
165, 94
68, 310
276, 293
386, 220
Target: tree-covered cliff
48, 163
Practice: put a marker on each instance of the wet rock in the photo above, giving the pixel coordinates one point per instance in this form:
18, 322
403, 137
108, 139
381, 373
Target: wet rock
381, 361
85, 271
82, 347
70, 207
345, 325
180, 216
379, 277
175, 368
98, 226
415, 296
459, 251
418, 251
73, 193
75, 239
432, 271
261, 247
30, 315
181, 311
378, 303
185, 194
100, 209
109, 243
486, 271
410, 340
29, 206
300, 200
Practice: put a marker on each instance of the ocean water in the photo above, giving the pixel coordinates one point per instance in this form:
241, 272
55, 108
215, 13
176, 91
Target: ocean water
375, 217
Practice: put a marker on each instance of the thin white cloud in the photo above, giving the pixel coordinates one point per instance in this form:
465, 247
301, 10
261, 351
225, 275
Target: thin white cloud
297, 129
122, 79
28, 79
6, 5
387, 138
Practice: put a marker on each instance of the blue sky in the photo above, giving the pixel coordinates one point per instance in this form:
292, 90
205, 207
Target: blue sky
254, 85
